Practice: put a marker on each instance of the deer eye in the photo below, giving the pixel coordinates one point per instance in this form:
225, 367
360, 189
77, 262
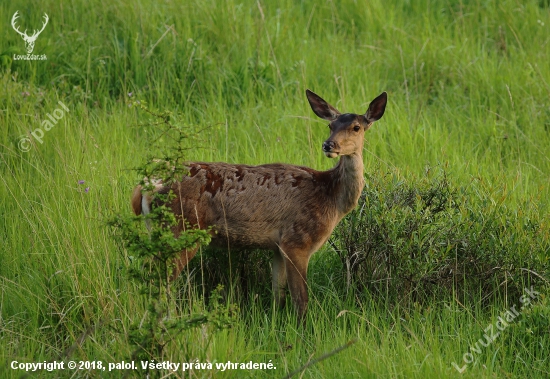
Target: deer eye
356, 128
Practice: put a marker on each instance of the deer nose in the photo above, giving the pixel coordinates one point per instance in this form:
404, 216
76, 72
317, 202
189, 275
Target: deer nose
328, 146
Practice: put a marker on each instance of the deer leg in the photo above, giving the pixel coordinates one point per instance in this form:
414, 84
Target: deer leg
296, 262
279, 278
180, 263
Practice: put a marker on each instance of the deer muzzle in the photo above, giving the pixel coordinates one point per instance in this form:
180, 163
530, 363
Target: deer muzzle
328, 149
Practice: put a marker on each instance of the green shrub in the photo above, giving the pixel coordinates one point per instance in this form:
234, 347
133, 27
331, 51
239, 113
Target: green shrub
412, 239
151, 252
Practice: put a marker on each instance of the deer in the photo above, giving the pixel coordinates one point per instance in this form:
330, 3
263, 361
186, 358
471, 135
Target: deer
291, 210
29, 40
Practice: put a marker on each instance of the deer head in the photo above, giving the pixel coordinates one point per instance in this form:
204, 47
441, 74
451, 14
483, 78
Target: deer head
346, 130
29, 40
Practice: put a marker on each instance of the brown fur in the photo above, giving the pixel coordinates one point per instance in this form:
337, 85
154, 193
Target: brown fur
291, 210
136, 200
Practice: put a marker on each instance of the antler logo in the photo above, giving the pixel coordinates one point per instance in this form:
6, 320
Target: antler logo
29, 40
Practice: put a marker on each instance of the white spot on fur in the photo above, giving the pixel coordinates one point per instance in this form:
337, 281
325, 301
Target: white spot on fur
146, 209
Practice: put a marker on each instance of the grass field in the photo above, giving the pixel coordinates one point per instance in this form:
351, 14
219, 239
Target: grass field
469, 95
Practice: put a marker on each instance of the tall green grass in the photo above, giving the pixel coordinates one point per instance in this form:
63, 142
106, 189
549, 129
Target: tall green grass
469, 90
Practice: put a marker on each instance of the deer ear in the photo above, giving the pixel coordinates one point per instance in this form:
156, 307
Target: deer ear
321, 107
376, 108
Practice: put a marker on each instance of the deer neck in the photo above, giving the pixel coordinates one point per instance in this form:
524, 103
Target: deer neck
348, 178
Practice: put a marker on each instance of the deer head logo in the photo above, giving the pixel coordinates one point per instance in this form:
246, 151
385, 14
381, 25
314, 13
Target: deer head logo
29, 40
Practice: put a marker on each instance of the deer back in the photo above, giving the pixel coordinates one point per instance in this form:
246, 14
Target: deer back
255, 206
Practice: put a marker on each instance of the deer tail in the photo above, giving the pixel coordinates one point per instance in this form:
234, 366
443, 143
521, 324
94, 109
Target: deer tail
136, 200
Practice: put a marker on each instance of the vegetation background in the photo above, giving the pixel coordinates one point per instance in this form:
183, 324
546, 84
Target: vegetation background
453, 224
